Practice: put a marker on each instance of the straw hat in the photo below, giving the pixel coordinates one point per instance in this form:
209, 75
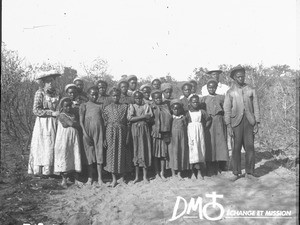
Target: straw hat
45, 74
166, 86
70, 85
236, 69
131, 77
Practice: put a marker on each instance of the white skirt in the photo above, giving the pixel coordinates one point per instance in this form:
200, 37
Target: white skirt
66, 150
42, 146
196, 142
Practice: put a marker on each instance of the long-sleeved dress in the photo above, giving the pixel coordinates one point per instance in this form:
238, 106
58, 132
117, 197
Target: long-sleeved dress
94, 127
179, 148
118, 156
44, 132
161, 130
215, 135
67, 147
141, 137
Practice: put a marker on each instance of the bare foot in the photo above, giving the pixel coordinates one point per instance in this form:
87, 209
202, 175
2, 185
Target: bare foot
180, 177
113, 184
64, 184
78, 183
121, 181
193, 177
135, 180
89, 181
145, 181
99, 183
162, 176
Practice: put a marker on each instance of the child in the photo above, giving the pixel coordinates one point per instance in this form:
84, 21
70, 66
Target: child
66, 149
197, 118
72, 92
80, 85
186, 91
132, 81
125, 98
92, 125
118, 157
215, 138
156, 83
194, 86
160, 133
146, 90
103, 98
242, 119
178, 149
139, 114
167, 90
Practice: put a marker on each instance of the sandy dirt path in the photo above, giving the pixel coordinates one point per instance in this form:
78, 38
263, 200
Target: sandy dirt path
153, 203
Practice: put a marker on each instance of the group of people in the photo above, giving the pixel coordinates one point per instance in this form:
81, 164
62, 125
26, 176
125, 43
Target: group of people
142, 127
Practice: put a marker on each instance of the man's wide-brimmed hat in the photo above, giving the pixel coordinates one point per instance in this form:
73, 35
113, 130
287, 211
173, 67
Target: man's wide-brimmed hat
46, 74
236, 69
214, 71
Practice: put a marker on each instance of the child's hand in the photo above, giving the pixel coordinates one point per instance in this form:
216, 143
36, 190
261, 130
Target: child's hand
55, 113
230, 131
88, 140
255, 129
147, 116
104, 144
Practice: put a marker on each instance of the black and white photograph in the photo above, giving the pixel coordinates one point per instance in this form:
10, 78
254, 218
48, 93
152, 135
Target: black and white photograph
149, 112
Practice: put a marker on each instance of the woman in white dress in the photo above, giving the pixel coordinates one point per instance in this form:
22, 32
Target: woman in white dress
46, 100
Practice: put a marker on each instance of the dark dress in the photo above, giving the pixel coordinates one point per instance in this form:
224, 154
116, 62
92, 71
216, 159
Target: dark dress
94, 126
161, 130
142, 150
118, 156
215, 135
185, 103
126, 99
179, 149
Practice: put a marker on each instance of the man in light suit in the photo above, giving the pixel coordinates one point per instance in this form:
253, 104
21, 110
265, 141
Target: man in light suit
242, 119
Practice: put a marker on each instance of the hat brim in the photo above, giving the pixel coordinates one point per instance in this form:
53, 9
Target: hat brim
48, 75
214, 71
236, 70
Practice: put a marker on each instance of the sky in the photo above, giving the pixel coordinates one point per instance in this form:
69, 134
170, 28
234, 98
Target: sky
153, 37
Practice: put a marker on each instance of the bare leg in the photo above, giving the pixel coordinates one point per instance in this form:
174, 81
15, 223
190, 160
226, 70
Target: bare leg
114, 180
156, 166
64, 180
193, 172
179, 175
122, 179
145, 175
199, 176
136, 174
40, 170
173, 173
163, 165
90, 172
99, 169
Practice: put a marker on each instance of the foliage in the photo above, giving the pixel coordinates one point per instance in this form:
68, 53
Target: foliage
98, 70
275, 89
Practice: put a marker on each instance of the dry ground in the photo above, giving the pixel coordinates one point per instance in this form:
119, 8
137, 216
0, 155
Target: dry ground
27, 199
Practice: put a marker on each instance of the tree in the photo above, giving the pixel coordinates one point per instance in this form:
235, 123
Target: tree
98, 70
